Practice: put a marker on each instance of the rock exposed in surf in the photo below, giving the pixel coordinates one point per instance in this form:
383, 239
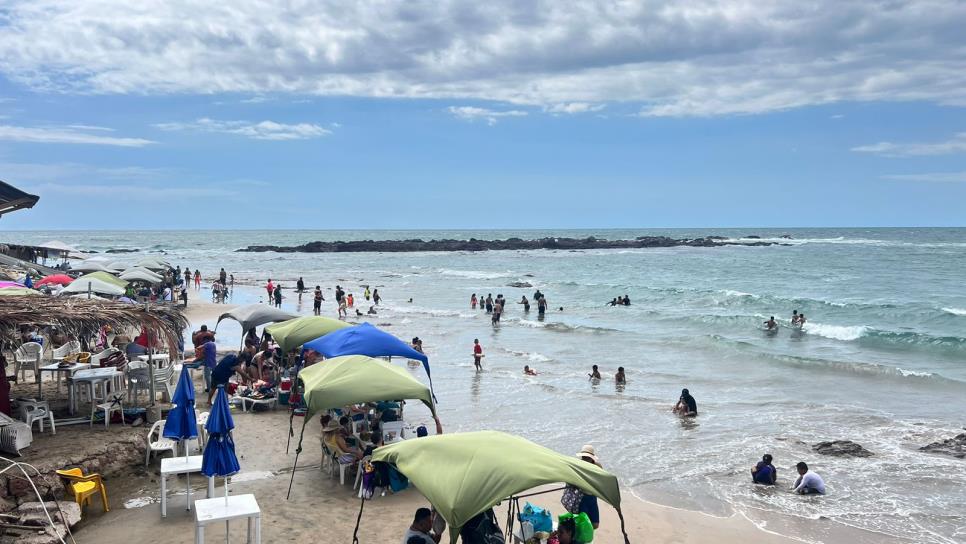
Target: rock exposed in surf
522, 284
122, 250
954, 447
510, 244
841, 448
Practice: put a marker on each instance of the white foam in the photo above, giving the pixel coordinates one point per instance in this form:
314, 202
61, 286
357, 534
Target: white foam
955, 311
914, 373
473, 274
837, 332
732, 293
531, 356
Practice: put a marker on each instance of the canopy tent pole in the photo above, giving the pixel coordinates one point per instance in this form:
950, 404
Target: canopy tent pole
355, 532
620, 515
298, 450
291, 431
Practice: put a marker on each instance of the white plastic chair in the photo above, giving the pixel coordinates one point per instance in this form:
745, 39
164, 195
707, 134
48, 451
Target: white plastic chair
63, 351
28, 355
159, 445
138, 379
333, 460
113, 402
33, 410
202, 431
14, 435
163, 382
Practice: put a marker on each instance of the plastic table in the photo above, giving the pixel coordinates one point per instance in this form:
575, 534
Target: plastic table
225, 509
179, 465
90, 376
55, 368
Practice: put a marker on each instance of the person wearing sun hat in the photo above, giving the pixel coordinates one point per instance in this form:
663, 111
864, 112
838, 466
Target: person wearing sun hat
588, 504
333, 439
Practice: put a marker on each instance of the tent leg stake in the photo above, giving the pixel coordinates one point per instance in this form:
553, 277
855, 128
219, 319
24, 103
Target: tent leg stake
355, 532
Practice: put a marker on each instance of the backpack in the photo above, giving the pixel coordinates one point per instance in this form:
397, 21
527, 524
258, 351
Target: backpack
571, 499
538, 517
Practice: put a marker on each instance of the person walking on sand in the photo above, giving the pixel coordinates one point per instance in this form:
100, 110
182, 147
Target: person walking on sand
278, 296
317, 301
808, 483
197, 280
477, 354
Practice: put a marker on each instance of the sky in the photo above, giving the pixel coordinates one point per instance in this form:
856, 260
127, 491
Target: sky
503, 114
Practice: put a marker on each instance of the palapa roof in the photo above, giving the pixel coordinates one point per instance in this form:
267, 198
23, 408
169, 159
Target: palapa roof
81, 317
12, 199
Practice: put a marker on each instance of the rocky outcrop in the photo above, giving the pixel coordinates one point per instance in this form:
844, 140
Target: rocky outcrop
841, 448
122, 250
520, 284
954, 447
32, 514
510, 244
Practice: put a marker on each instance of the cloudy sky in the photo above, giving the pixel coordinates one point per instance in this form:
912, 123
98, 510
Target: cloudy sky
424, 114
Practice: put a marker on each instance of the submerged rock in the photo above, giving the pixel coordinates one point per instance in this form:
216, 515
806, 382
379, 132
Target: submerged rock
954, 447
522, 284
841, 448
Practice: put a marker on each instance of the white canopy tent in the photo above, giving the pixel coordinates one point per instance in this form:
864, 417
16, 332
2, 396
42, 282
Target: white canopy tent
93, 285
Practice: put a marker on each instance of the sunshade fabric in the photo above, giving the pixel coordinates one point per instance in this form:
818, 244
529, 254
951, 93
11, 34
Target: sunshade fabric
464, 474
91, 266
153, 264
341, 381
18, 292
365, 339
96, 286
56, 279
295, 332
141, 275
104, 276
181, 423
254, 315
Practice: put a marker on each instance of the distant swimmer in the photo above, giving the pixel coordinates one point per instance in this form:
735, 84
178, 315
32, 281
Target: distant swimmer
808, 483
764, 472
529, 371
614, 302
801, 320
372, 310
541, 305
473, 301
594, 373
686, 405
771, 324
526, 303
626, 301
477, 354
619, 378
795, 318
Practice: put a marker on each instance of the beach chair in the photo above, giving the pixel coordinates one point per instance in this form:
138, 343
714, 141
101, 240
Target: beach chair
84, 487
14, 435
202, 419
160, 444
163, 382
333, 461
58, 355
113, 402
33, 410
138, 379
28, 355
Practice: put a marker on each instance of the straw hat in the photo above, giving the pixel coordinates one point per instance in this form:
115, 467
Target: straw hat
332, 425
588, 452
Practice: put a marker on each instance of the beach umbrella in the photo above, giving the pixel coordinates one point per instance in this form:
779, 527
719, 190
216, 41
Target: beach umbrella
181, 423
91, 266
295, 332
93, 285
18, 292
465, 474
153, 264
219, 457
254, 315
140, 274
342, 381
366, 339
55, 279
104, 276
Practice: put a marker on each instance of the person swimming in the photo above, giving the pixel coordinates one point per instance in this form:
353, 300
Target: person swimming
594, 373
795, 318
620, 378
686, 405
529, 371
771, 324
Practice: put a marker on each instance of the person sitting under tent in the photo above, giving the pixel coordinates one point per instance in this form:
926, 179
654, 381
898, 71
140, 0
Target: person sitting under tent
333, 439
421, 531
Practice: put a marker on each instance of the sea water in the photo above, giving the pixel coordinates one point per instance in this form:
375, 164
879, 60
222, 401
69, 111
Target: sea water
881, 362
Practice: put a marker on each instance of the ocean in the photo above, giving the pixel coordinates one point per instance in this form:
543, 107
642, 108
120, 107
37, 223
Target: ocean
882, 360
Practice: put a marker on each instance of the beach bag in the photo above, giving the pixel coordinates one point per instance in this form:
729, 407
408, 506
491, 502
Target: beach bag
538, 517
571, 499
369, 478
584, 528
487, 531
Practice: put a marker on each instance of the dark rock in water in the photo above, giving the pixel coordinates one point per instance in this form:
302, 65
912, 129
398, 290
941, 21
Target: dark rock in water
122, 250
753, 237
523, 284
841, 448
786, 237
510, 244
954, 447
528, 275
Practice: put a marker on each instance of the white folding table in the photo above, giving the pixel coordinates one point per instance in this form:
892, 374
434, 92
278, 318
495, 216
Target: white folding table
180, 465
225, 509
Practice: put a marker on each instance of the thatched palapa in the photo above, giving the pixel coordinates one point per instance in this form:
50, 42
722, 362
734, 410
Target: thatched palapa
82, 318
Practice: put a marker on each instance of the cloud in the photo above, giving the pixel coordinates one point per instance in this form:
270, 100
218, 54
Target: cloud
931, 177
667, 58
472, 113
265, 130
956, 144
137, 192
574, 107
65, 135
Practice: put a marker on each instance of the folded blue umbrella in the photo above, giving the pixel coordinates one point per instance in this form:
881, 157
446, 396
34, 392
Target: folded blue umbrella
181, 423
219, 457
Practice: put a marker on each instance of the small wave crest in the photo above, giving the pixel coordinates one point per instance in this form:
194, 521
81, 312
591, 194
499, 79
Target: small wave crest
955, 311
837, 332
473, 274
528, 355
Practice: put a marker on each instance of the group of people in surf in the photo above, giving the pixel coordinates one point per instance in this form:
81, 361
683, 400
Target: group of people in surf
798, 321
620, 301
496, 307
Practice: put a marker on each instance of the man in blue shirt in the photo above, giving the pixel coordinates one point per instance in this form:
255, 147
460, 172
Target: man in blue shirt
208, 361
764, 472
222, 373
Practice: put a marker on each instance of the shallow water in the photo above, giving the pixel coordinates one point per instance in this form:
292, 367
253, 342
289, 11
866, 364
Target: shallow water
881, 362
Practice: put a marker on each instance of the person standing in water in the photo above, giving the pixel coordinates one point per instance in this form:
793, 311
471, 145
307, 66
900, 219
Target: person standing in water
497, 311
526, 304
317, 301
300, 287
477, 354
197, 279
270, 289
542, 306
473, 301
489, 303
278, 296
771, 324
366, 293
795, 318
620, 378
686, 405
594, 373
375, 296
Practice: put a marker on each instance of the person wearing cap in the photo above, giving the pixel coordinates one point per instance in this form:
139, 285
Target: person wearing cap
686, 405
588, 504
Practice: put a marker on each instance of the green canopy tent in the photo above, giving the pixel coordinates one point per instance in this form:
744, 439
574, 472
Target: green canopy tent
465, 474
104, 276
353, 379
295, 332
